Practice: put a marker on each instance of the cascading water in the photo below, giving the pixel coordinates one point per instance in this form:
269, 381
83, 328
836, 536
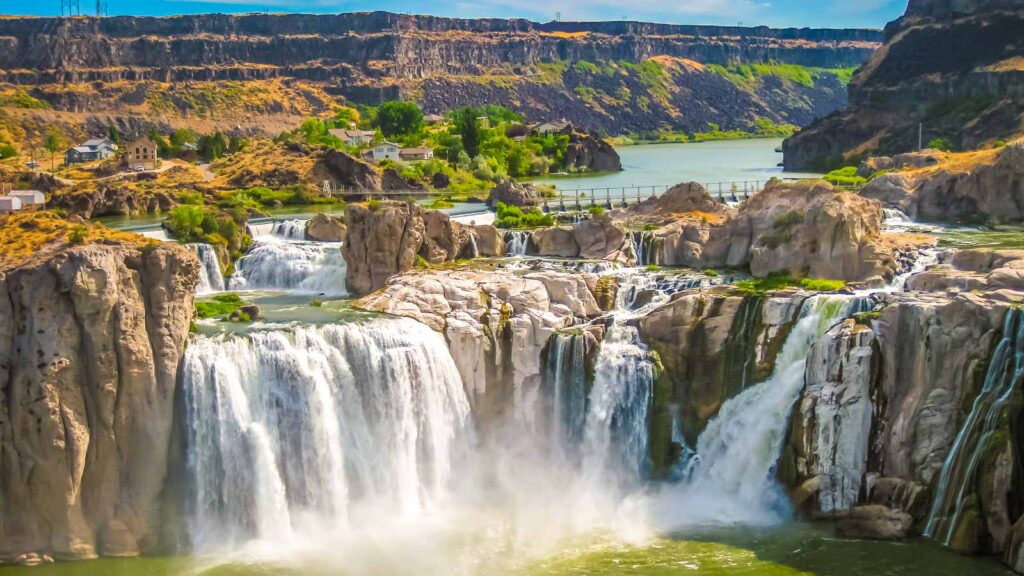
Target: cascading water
517, 242
565, 394
643, 246
290, 433
1002, 381
210, 277
290, 229
277, 264
731, 479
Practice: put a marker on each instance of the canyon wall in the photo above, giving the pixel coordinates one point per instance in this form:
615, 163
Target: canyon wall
948, 69
90, 344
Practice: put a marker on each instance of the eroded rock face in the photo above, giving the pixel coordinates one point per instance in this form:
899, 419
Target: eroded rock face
384, 239
496, 324
599, 238
590, 153
831, 427
712, 346
90, 342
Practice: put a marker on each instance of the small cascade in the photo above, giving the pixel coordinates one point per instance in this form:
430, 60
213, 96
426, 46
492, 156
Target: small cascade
210, 277
474, 250
1002, 382
517, 242
898, 221
926, 257
290, 229
291, 434
732, 476
277, 264
643, 248
565, 393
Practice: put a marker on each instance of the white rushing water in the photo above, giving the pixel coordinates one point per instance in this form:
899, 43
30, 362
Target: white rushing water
274, 263
319, 429
731, 480
290, 229
517, 242
210, 277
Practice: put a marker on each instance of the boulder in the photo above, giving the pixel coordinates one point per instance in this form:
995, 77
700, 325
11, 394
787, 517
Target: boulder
591, 153
599, 238
490, 243
349, 171
875, 523
557, 241
514, 194
324, 228
392, 180
440, 181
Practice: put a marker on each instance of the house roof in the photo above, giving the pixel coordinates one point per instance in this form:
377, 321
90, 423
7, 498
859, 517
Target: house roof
97, 142
142, 142
417, 150
433, 118
83, 149
391, 144
343, 134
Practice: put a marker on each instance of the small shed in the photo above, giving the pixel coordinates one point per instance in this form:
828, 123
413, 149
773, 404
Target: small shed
29, 197
9, 204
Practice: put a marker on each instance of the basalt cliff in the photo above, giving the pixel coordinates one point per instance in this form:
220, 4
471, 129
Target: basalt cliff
948, 70
257, 72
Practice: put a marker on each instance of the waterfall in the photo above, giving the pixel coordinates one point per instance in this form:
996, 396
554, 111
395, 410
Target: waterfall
210, 277
898, 221
1002, 382
290, 229
643, 246
517, 242
474, 250
277, 264
316, 429
565, 394
731, 479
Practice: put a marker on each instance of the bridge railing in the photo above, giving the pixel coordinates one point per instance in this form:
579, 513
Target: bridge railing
621, 196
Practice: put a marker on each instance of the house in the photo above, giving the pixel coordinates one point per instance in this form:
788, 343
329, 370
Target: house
354, 138
90, 150
9, 204
415, 154
387, 151
33, 198
556, 127
142, 153
433, 119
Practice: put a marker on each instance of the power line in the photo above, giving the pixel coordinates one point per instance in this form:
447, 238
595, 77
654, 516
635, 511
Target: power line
70, 8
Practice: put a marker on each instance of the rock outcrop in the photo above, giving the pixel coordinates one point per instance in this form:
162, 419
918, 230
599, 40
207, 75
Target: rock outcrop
496, 324
591, 153
324, 228
803, 229
924, 78
986, 185
599, 238
90, 341
386, 238
514, 194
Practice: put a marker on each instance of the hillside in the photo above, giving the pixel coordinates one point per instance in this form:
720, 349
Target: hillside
954, 70
258, 72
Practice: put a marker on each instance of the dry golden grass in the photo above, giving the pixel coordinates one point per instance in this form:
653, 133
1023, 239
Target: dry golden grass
265, 163
958, 162
566, 35
28, 236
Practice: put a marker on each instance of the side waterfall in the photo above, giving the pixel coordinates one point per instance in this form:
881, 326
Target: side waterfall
277, 264
210, 277
1002, 381
644, 248
517, 242
565, 394
731, 479
291, 229
319, 428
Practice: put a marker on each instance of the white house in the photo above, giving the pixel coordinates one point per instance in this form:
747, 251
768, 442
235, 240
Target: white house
353, 137
9, 204
29, 197
387, 151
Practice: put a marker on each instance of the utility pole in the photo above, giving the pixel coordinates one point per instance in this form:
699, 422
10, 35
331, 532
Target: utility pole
920, 136
558, 16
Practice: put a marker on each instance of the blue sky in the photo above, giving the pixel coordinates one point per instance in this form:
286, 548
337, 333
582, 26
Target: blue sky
813, 13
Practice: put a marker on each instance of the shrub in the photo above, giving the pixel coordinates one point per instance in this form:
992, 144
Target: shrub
219, 305
821, 284
513, 217
596, 211
316, 303
78, 235
185, 222
373, 205
711, 272
846, 176
943, 144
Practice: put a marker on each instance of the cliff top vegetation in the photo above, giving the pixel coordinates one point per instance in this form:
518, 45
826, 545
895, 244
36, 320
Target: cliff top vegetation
25, 236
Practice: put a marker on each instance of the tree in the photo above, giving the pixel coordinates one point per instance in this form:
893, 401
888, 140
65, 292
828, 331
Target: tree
212, 147
466, 125
941, 144
399, 118
113, 134
52, 142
